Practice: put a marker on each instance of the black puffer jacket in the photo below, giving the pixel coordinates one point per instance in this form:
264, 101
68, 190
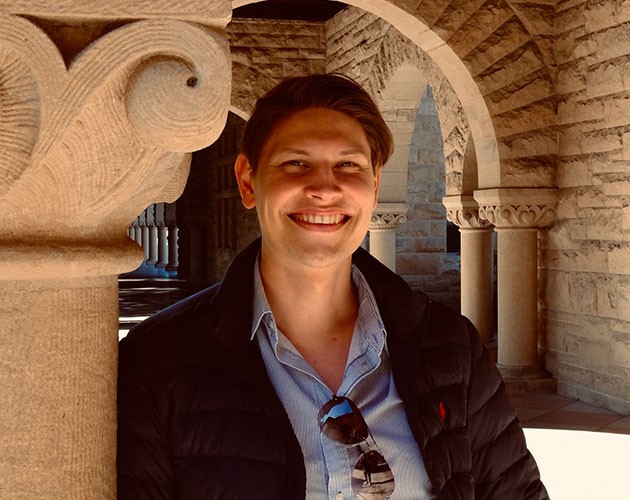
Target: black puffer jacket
199, 419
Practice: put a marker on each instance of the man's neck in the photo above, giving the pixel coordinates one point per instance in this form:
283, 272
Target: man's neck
315, 308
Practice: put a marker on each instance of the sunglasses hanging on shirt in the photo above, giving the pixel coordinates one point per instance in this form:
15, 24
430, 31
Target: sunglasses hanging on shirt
341, 421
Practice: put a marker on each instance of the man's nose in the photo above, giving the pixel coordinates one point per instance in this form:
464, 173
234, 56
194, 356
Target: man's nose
323, 183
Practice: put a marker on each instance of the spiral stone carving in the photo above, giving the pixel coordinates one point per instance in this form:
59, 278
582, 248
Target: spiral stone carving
84, 149
168, 98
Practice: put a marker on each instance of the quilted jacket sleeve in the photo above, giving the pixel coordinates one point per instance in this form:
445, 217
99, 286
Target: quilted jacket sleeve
502, 466
144, 463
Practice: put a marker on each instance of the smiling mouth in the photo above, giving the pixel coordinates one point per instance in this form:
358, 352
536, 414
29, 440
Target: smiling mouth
324, 220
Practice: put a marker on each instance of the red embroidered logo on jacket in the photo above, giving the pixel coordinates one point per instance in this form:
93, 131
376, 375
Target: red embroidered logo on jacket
442, 412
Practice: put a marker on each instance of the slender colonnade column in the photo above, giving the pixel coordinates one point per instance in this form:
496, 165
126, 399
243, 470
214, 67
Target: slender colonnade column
385, 219
518, 214
477, 254
83, 150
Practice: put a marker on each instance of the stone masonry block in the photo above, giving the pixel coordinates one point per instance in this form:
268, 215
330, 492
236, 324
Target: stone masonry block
603, 224
613, 297
625, 219
625, 140
620, 349
418, 264
592, 110
618, 257
567, 208
611, 44
594, 197
569, 19
405, 244
431, 245
584, 259
571, 78
574, 171
609, 163
560, 337
571, 292
600, 141
569, 139
598, 16
619, 187
605, 79
415, 228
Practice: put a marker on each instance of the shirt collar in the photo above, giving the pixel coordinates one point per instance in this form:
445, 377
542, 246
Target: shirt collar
369, 318
260, 306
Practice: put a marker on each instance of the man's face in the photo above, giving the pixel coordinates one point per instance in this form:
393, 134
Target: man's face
314, 189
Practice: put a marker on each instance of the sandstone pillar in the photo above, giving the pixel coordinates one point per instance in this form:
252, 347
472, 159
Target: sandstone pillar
385, 219
152, 243
144, 241
84, 148
517, 215
162, 236
477, 302
173, 249
170, 214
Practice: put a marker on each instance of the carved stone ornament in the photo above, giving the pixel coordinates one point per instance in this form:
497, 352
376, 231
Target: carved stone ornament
463, 211
387, 220
517, 208
85, 148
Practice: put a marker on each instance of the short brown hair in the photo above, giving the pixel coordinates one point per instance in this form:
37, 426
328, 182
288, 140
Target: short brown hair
331, 91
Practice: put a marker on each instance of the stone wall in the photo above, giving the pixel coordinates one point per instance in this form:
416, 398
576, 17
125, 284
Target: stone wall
266, 51
586, 255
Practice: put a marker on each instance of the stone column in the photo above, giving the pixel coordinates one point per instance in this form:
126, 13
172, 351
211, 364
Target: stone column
84, 148
152, 243
385, 219
477, 302
517, 214
144, 239
173, 246
162, 240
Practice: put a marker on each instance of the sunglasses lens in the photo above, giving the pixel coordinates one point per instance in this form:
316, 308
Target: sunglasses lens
341, 421
372, 479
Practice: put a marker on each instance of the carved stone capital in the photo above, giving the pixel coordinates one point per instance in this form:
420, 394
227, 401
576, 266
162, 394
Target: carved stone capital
463, 211
85, 148
518, 208
388, 216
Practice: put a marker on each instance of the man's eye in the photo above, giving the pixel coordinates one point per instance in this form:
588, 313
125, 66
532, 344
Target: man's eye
295, 163
348, 164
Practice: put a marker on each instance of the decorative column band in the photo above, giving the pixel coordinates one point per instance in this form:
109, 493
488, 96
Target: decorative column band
517, 208
388, 216
463, 211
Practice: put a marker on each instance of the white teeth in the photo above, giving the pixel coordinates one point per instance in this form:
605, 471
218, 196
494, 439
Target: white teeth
319, 219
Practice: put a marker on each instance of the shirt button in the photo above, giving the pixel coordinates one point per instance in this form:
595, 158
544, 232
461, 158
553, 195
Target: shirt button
339, 496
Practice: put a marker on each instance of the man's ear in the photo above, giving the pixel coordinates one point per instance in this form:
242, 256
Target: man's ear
245, 179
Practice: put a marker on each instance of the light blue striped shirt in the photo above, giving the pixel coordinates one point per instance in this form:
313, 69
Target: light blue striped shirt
368, 381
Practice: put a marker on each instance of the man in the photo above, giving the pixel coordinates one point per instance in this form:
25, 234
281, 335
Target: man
312, 371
